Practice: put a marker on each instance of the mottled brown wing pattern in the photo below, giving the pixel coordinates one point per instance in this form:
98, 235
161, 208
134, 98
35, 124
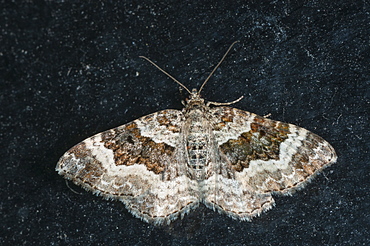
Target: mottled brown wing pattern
137, 163
265, 156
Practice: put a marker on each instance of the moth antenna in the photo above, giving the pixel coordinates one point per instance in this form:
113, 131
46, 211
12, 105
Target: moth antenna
222, 59
169, 75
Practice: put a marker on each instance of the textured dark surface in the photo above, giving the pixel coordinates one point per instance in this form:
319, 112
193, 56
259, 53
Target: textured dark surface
70, 70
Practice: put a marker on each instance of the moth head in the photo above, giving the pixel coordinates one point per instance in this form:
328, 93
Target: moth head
194, 100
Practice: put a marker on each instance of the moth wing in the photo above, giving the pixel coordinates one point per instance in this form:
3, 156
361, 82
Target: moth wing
138, 163
258, 157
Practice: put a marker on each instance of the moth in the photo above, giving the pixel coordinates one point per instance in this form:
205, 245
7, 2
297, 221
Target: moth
165, 164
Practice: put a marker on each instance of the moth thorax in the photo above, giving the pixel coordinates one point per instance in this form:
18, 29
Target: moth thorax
197, 151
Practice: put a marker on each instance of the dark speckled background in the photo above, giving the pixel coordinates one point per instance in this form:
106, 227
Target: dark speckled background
70, 70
